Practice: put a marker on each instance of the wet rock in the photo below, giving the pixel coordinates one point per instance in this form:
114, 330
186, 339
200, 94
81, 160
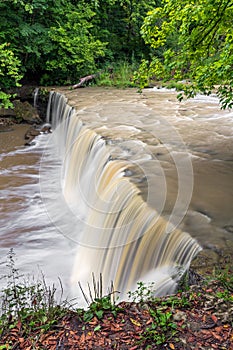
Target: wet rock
46, 128
229, 228
25, 112
34, 131
31, 133
6, 124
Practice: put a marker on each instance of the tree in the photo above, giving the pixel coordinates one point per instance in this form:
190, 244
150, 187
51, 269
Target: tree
193, 45
49, 37
75, 49
9, 74
59, 41
25, 24
118, 22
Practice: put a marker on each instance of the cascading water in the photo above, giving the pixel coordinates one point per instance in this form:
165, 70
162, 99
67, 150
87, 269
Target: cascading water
117, 232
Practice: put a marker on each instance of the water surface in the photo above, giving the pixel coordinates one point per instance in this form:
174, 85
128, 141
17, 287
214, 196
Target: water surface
150, 127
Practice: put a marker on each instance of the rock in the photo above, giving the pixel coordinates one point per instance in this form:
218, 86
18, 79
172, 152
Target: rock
5, 128
179, 316
31, 133
34, 131
7, 112
6, 124
46, 128
25, 112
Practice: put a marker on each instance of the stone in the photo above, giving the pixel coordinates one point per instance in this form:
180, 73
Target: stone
26, 112
34, 131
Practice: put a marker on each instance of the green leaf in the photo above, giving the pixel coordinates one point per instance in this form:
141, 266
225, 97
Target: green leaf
97, 328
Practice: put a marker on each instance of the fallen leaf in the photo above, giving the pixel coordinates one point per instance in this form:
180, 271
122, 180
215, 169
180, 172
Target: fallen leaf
214, 318
149, 321
226, 326
218, 329
82, 338
216, 336
172, 346
136, 323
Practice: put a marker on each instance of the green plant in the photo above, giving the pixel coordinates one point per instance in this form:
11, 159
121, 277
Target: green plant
143, 293
100, 306
192, 45
179, 300
30, 304
9, 74
97, 303
119, 74
225, 277
162, 328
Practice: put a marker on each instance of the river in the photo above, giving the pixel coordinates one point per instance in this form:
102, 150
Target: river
180, 157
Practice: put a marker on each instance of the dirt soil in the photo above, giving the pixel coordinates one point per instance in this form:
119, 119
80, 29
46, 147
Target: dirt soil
203, 320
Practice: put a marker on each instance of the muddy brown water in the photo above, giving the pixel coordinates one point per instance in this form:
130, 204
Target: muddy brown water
175, 135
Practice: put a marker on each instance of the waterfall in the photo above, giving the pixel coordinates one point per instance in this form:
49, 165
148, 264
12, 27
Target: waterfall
35, 97
117, 233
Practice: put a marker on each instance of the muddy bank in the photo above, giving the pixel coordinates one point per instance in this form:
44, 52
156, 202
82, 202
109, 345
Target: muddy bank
12, 136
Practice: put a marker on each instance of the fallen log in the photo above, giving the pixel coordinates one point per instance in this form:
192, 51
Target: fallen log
84, 80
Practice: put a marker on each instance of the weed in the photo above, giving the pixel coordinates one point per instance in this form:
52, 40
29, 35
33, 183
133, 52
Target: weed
162, 328
119, 74
97, 303
143, 293
225, 277
100, 306
179, 300
30, 305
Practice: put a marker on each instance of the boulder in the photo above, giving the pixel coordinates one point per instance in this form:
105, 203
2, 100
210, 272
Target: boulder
26, 112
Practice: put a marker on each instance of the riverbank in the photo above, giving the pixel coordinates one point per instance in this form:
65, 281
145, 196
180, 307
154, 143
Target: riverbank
208, 141
199, 317
12, 136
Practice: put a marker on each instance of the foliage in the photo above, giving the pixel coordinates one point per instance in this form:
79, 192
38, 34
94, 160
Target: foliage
57, 42
118, 74
49, 37
192, 43
225, 277
143, 293
97, 303
162, 327
25, 25
75, 48
9, 74
99, 307
30, 305
119, 23
31, 317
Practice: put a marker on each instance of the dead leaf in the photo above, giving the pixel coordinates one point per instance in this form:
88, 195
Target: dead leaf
216, 336
135, 322
82, 338
214, 318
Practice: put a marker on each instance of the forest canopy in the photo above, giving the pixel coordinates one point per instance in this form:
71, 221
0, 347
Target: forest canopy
193, 45
58, 41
